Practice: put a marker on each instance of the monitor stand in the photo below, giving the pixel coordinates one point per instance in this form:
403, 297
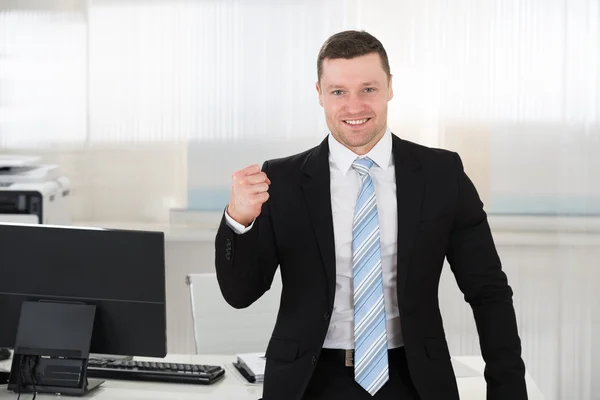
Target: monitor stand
52, 349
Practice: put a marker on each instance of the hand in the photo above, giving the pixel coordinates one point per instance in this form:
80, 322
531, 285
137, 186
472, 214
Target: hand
249, 191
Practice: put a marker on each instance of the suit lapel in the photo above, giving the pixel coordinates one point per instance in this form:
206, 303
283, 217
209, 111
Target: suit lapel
317, 193
409, 195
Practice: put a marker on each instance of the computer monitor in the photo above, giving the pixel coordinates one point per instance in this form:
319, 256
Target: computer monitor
117, 274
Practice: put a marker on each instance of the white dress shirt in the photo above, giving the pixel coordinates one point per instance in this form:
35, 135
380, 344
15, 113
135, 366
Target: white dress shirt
345, 187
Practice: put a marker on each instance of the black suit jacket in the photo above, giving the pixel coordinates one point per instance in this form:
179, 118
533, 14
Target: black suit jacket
439, 215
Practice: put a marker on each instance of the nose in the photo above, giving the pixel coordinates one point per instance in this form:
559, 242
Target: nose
354, 104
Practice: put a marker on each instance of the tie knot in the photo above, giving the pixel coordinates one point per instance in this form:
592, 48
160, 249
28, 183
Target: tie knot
363, 165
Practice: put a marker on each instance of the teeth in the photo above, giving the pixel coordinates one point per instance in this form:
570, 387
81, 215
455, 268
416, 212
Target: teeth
356, 121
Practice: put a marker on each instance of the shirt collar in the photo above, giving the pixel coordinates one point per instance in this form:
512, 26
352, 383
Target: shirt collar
343, 157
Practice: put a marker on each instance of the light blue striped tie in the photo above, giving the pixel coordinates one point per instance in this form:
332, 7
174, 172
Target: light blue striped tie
370, 339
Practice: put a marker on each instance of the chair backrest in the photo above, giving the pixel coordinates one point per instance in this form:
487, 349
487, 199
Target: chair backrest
221, 329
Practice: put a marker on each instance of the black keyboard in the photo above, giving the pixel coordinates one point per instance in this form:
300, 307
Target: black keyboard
155, 371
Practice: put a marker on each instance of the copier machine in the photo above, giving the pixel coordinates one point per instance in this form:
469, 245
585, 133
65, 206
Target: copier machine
33, 193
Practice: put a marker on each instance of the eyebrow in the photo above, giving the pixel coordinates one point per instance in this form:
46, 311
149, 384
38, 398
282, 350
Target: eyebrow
335, 87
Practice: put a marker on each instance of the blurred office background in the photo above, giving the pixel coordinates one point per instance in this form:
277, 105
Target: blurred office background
149, 106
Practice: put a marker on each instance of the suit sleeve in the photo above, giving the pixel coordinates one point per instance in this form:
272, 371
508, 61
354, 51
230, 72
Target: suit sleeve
475, 263
246, 263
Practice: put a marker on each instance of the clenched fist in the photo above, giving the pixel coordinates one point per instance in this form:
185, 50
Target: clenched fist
249, 191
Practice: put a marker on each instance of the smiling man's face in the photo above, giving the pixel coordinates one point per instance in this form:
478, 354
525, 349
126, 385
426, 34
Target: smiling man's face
354, 94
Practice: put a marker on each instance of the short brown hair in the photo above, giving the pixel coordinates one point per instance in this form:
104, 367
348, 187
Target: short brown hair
351, 44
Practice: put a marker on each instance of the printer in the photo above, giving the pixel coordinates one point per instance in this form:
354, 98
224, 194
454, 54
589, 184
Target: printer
33, 193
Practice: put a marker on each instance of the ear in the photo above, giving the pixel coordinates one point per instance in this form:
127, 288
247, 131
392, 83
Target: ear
318, 87
390, 89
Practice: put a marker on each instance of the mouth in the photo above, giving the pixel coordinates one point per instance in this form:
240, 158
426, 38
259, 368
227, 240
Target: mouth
356, 122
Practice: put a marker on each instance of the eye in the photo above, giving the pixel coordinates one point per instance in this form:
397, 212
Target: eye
337, 93
369, 90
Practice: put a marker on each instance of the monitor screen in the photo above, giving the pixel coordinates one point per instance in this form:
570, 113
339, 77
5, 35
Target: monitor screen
121, 272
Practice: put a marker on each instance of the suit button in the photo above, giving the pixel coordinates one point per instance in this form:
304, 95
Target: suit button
314, 360
326, 316
228, 242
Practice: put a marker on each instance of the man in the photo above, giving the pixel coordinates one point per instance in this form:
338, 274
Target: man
360, 226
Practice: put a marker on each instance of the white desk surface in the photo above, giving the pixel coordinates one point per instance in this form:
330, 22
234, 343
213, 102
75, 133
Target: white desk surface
231, 388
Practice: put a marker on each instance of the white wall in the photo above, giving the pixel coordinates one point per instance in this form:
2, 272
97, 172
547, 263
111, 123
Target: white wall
133, 183
554, 277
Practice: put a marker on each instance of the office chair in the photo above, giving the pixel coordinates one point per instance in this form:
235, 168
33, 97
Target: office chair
221, 329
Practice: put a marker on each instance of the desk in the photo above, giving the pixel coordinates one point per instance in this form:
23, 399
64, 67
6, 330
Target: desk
230, 388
